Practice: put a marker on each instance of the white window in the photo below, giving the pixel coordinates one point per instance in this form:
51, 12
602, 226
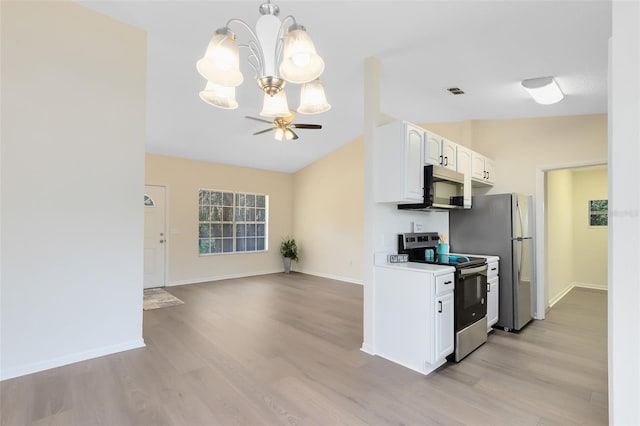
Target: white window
231, 222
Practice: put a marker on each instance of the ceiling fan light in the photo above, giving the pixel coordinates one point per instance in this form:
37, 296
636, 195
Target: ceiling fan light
219, 96
543, 90
300, 62
312, 98
276, 105
279, 135
221, 61
288, 135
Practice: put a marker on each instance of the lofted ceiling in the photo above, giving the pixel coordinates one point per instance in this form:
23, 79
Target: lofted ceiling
483, 47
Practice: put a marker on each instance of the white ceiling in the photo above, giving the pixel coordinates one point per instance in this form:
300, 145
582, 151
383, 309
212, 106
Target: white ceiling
483, 47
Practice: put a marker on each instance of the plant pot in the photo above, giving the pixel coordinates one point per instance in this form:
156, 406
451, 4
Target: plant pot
287, 264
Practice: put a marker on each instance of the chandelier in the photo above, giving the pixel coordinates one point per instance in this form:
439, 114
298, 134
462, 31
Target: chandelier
279, 52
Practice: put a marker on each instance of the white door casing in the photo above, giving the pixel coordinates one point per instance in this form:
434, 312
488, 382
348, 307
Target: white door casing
154, 236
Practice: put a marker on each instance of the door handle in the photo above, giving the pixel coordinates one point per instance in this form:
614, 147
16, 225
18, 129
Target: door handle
440, 307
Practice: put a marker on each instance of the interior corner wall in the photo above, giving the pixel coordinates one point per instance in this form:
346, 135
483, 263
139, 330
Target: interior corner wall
72, 158
559, 250
329, 214
183, 179
590, 243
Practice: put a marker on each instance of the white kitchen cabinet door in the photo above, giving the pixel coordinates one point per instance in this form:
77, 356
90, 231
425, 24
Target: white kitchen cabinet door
482, 170
449, 157
413, 166
444, 334
464, 156
398, 154
432, 149
493, 301
477, 166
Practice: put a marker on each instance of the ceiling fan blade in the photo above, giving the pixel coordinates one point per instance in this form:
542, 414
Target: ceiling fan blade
264, 131
294, 134
258, 119
307, 126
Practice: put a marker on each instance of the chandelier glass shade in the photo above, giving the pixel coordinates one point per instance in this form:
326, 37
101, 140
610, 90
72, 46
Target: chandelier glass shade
279, 51
219, 96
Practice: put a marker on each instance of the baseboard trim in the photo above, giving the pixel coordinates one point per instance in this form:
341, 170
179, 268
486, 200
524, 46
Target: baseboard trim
69, 359
573, 285
333, 277
562, 294
367, 348
591, 286
220, 277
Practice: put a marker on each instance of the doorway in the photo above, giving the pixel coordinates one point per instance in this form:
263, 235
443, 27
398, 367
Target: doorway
572, 231
155, 240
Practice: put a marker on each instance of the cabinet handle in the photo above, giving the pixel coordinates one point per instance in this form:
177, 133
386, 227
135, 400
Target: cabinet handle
446, 161
448, 282
493, 269
487, 175
488, 288
441, 160
440, 308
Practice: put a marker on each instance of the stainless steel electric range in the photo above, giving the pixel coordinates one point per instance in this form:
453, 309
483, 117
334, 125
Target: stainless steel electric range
470, 291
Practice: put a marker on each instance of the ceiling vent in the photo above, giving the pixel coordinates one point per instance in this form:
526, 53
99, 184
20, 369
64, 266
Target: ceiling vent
455, 91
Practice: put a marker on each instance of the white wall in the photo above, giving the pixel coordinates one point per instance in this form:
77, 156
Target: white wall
73, 123
624, 220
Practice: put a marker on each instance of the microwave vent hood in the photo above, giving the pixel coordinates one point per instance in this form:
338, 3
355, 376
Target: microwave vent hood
443, 189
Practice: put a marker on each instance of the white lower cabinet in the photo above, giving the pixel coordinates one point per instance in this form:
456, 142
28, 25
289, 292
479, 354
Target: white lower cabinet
444, 326
413, 315
493, 294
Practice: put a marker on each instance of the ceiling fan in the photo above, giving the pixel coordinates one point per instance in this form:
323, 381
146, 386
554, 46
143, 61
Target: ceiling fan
283, 126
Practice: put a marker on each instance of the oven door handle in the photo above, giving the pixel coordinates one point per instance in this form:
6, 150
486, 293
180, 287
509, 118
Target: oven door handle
471, 271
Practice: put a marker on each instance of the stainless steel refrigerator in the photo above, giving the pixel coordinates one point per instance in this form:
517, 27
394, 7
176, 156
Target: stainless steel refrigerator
501, 225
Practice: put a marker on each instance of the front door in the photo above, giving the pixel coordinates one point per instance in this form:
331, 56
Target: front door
154, 236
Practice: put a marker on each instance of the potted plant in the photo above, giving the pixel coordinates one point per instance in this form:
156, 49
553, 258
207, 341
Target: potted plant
289, 252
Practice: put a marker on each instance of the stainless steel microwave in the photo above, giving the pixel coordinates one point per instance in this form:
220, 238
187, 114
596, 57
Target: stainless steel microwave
443, 189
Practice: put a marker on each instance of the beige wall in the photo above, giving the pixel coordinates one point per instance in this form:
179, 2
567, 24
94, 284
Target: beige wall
590, 243
328, 214
519, 146
183, 179
559, 251
72, 132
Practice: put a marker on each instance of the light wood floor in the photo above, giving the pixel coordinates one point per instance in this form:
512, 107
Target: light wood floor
284, 349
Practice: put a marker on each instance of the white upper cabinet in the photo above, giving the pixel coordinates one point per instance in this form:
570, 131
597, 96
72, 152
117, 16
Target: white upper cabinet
482, 170
439, 151
399, 168
463, 160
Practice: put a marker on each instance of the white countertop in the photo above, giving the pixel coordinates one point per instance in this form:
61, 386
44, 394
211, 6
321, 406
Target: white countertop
418, 267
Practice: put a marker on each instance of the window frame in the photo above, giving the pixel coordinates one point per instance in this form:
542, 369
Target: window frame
239, 207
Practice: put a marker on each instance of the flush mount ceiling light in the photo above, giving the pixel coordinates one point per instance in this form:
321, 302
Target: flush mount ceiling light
278, 51
543, 90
